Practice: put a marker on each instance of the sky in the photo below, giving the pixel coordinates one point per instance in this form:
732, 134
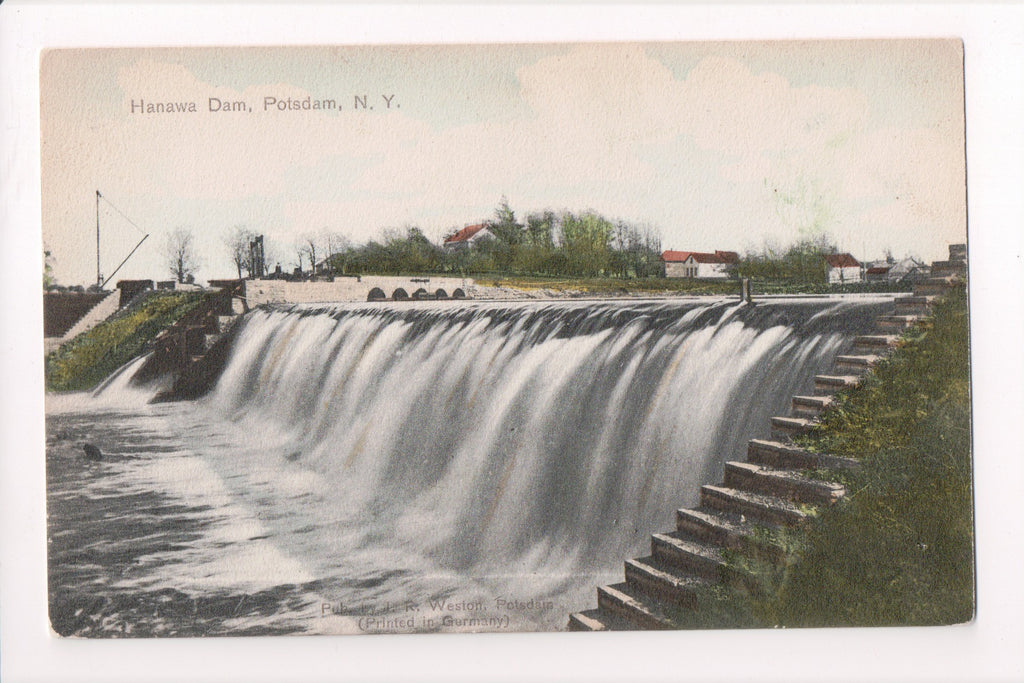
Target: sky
730, 145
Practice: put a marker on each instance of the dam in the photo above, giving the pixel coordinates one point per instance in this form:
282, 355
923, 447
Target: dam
368, 467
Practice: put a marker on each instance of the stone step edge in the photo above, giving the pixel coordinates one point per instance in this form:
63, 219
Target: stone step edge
771, 509
620, 600
783, 483
644, 575
598, 619
714, 527
774, 453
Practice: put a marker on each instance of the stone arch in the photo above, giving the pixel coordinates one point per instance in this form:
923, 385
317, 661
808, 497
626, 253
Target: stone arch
458, 293
400, 295
440, 294
420, 294
376, 294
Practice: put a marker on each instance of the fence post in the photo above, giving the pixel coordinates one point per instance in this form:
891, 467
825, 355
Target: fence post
745, 290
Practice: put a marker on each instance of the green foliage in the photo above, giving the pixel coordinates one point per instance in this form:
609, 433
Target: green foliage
803, 262
900, 549
90, 357
48, 279
548, 244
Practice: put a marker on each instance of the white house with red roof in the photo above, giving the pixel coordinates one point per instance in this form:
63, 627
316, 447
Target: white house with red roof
696, 264
471, 234
843, 268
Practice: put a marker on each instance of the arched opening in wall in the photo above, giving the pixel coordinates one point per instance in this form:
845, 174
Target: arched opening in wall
421, 294
400, 295
440, 294
458, 293
376, 294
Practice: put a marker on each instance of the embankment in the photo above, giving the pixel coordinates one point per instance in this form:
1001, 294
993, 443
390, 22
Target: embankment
89, 358
898, 549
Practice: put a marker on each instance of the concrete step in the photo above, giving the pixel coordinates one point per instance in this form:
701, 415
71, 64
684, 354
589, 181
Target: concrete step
787, 484
664, 582
686, 553
810, 406
935, 285
598, 620
856, 364
947, 268
896, 323
782, 455
758, 506
627, 603
830, 384
914, 305
727, 530
878, 344
788, 427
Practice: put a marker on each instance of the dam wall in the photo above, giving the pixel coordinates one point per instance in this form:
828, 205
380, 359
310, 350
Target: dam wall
344, 289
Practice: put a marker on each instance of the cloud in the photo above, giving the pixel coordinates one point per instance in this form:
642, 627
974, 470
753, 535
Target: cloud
701, 153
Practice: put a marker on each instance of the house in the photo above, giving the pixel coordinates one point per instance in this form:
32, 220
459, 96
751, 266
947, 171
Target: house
908, 270
471, 234
719, 264
843, 268
877, 274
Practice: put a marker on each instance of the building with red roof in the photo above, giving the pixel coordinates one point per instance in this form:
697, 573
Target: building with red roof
843, 268
717, 264
468, 235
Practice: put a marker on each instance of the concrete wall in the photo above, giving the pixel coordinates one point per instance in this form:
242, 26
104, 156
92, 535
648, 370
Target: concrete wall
259, 292
97, 314
675, 269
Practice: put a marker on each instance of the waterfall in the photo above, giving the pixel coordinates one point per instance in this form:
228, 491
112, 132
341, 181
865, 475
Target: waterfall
510, 440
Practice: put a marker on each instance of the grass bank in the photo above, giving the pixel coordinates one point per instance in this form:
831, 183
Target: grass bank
89, 358
899, 549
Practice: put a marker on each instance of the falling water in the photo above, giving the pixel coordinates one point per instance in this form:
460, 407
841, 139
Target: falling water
375, 467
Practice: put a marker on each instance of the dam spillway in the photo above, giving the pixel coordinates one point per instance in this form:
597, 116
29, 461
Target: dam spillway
382, 458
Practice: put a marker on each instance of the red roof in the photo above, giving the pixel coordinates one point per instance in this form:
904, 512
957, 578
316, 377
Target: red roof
675, 256
878, 270
464, 234
842, 261
728, 256
700, 257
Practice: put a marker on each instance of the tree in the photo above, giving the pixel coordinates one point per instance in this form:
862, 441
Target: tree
310, 245
504, 225
238, 241
48, 279
336, 245
182, 261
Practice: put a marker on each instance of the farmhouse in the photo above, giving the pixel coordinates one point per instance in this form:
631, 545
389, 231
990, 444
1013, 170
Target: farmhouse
843, 268
471, 234
695, 264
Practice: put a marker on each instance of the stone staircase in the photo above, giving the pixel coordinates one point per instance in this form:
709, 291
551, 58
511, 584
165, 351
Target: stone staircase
769, 491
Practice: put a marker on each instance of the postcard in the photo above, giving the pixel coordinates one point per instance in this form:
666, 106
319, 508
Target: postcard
406, 339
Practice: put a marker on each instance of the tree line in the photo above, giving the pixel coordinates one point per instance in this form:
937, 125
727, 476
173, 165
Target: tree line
548, 243
545, 243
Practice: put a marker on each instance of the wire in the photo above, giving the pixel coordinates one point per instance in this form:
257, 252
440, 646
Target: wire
141, 231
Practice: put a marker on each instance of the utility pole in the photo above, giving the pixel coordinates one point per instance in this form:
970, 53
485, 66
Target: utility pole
99, 276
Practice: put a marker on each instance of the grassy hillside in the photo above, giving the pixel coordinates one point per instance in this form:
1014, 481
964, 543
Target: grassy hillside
899, 549
89, 358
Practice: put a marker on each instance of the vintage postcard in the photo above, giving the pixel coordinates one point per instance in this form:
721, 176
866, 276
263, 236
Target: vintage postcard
506, 337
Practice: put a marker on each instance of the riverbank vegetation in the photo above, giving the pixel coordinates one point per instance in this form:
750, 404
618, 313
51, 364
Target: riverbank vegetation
92, 356
899, 549
578, 250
